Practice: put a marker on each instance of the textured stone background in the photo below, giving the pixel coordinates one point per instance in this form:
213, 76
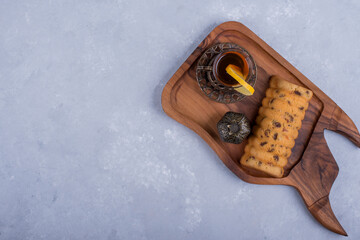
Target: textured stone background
86, 151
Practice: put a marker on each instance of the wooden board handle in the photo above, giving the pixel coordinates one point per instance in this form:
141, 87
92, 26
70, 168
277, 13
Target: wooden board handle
341, 123
322, 212
314, 176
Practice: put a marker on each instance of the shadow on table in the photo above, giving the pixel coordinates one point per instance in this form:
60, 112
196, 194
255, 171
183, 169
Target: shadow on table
160, 86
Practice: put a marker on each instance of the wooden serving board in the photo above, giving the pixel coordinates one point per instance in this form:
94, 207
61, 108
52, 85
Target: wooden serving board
311, 168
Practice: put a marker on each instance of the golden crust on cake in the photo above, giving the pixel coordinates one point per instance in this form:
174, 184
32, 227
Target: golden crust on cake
278, 122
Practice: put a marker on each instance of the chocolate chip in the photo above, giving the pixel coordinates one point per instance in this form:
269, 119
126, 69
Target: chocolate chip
297, 92
275, 136
259, 163
272, 145
263, 143
272, 100
271, 150
267, 132
282, 95
307, 91
272, 108
291, 118
301, 108
289, 102
276, 157
277, 124
277, 91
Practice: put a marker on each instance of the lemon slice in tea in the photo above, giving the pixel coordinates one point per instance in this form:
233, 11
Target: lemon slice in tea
235, 72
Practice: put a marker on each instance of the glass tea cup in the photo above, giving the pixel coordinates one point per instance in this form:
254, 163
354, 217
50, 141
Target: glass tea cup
238, 57
209, 70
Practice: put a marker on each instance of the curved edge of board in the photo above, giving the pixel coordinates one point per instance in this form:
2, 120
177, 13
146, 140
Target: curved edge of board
314, 179
323, 212
341, 123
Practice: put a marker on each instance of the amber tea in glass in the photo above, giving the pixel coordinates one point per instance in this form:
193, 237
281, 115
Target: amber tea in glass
223, 60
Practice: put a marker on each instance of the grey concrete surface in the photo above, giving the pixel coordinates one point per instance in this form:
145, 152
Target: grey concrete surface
86, 151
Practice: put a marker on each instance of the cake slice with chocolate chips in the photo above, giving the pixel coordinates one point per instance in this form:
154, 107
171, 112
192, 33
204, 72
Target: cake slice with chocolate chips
277, 124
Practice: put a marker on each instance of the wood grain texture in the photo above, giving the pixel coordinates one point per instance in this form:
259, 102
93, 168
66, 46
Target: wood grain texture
311, 168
